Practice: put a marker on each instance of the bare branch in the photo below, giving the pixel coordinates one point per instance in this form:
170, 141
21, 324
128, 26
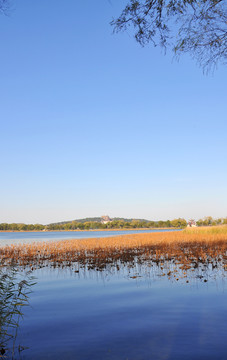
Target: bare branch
187, 26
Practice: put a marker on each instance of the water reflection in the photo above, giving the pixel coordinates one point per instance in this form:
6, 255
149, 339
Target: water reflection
179, 261
138, 304
15, 288
127, 313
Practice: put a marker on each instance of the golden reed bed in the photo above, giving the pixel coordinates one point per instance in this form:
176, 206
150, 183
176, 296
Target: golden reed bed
189, 248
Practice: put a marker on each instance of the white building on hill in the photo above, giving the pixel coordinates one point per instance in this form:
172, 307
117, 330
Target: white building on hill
105, 219
191, 223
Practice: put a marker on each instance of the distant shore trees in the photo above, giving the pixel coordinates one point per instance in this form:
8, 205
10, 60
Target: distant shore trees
21, 227
209, 221
115, 224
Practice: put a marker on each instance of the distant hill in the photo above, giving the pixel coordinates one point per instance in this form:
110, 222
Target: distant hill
96, 219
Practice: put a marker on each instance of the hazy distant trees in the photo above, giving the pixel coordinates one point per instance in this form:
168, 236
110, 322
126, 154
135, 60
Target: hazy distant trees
21, 227
209, 221
90, 225
115, 224
179, 223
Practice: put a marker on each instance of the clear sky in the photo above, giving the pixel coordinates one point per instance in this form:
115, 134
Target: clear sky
93, 124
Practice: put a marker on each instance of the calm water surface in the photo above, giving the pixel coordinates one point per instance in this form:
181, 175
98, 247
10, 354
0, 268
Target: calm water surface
128, 311
8, 238
125, 314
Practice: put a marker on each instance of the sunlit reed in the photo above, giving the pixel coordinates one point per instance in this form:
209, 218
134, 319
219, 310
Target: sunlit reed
188, 248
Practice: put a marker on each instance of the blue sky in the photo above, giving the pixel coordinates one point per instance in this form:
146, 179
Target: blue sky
93, 124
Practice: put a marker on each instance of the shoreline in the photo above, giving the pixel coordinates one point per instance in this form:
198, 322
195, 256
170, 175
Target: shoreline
76, 230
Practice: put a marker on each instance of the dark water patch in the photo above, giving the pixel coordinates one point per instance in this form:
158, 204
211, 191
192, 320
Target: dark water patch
117, 317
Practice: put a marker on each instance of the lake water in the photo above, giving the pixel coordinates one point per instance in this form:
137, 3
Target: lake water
133, 314
130, 310
8, 238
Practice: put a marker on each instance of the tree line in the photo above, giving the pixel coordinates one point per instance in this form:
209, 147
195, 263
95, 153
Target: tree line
115, 224
22, 227
119, 224
93, 225
209, 221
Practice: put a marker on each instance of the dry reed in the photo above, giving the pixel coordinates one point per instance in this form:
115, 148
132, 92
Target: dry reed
189, 249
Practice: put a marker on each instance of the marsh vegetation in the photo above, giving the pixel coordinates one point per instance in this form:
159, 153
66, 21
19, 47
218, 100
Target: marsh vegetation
15, 287
188, 250
96, 297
